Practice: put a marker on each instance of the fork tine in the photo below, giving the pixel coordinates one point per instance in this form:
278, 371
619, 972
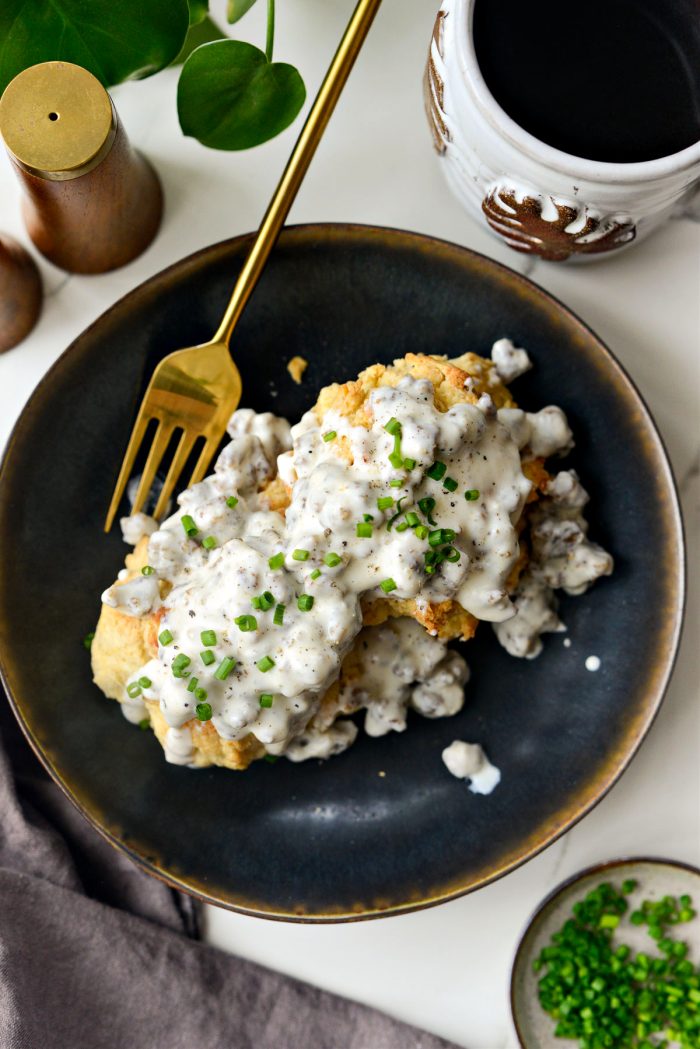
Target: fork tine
179, 459
205, 458
161, 441
130, 454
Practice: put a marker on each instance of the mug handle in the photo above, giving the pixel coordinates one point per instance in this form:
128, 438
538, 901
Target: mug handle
554, 228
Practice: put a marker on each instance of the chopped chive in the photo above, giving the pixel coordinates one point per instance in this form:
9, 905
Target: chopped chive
316, 573
270, 758
367, 518
276, 561
471, 494
396, 460
265, 664
147, 570
450, 484
203, 711
180, 664
305, 602
278, 617
436, 471
88, 639
396, 483
387, 585
144, 724
208, 638
232, 502
385, 502
332, 559
426, 506
300, 555
209, 542
393, 427
330, 435
224, 668
133, 690
433, 558
192, 684
165, 637
246, 623
451, 554
412, 519
396, 515
364, 530
630, 885
263, 602
145, 682
402, 527
189, 526
422, 531
440, 536
207, 657
200, 693
266, 699
409, 464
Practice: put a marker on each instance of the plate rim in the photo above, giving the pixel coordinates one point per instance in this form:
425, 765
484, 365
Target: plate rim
407, 239
602, 868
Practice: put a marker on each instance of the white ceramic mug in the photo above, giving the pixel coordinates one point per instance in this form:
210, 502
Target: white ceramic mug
538, 199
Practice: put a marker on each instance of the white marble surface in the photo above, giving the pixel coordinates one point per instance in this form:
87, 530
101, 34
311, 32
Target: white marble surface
445, 969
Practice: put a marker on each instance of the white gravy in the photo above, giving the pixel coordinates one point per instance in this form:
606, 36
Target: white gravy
263, 670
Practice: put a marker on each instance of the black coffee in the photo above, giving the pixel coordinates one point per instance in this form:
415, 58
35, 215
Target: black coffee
611, 80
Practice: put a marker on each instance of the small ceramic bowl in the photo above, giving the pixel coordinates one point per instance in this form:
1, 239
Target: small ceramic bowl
655, 878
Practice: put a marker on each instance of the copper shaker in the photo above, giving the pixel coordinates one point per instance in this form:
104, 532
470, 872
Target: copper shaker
20, 293
91, 203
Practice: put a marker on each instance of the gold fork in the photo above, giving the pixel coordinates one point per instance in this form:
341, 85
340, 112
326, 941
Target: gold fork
197, 389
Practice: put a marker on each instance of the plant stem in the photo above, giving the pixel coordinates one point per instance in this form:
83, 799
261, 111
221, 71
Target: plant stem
270, 29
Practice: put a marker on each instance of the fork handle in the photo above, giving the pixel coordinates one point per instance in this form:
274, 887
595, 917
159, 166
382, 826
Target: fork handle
298, 163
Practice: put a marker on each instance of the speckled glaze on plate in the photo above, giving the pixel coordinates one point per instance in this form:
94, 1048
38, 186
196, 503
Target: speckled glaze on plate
337, 841
655, 877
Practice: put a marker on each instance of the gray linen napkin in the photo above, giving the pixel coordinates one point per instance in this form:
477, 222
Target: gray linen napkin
94, 954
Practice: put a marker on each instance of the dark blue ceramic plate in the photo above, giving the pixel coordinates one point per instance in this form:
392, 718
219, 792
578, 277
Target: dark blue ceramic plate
337, 841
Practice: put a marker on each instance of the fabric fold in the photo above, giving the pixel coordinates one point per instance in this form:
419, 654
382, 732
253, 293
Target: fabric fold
95, 954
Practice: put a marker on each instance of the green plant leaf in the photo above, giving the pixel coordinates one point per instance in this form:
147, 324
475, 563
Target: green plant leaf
235, 9
202, 33
114, 40
199, 9
230, 97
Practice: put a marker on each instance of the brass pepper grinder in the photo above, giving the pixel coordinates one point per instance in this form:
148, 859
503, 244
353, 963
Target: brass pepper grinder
91, 203
20, 293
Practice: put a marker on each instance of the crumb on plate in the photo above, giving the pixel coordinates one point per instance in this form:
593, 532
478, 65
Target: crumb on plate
296, 368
